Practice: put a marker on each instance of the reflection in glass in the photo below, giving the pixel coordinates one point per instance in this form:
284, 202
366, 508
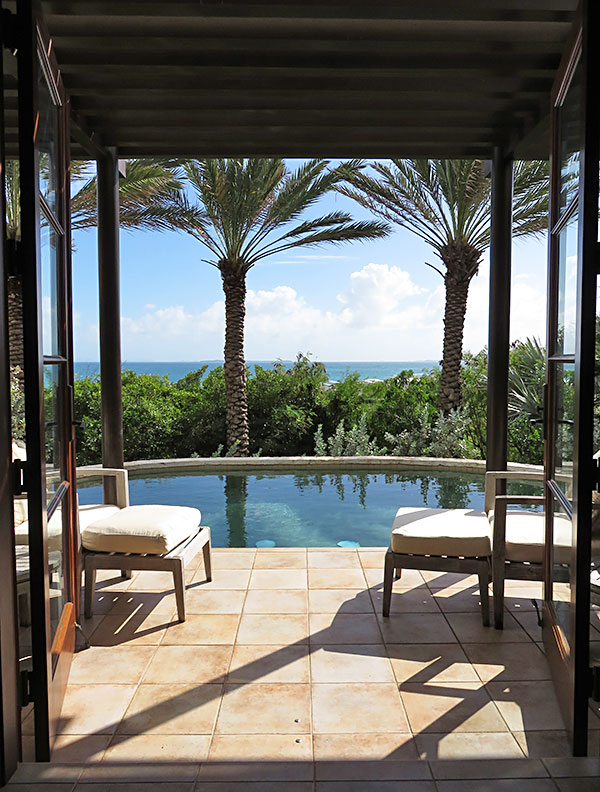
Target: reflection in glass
567, 288
48, 259
569, 141
47, 142
52, 413
561, 570
563, 440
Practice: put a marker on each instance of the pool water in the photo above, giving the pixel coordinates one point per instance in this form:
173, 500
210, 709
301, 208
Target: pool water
300, 509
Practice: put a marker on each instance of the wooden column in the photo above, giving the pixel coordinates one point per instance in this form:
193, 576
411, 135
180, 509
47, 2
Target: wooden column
110, 315
499, 312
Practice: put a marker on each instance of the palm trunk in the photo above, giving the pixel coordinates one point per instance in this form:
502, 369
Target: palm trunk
234, 286
15, 328
461, 265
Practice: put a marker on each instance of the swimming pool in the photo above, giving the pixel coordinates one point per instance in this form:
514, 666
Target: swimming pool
300, 508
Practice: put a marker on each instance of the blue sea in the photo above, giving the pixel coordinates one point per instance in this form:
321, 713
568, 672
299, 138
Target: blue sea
336, 370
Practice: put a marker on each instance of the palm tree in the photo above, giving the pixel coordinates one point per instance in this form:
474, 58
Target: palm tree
251, 210
148, 196
447, 204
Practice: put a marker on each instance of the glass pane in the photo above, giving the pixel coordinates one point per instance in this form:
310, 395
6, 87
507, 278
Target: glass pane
563, 431
48, 142
567, 288
561, 570
52, 423
49, 262
569, 141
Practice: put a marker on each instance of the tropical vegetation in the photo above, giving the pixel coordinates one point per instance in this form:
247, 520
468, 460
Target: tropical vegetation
447, 203
248, 210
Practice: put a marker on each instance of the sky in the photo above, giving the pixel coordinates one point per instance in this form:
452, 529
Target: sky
372, 301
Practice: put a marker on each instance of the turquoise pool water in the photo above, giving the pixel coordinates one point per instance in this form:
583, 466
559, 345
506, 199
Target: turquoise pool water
300, 509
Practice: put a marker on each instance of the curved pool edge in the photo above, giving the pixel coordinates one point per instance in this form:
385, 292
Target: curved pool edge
223, 464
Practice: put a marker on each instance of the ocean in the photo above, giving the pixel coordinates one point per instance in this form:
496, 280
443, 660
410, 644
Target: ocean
336, 370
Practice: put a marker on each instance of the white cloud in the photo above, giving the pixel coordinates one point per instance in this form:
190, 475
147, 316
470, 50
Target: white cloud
380, 314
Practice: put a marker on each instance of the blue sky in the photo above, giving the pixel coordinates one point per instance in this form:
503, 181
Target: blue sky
359, 301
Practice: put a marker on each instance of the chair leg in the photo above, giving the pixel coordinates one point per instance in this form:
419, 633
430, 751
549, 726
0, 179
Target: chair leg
388, 580
126, 574
498, 584
90, 585
397, 573
207, 562
484, 579
178, 580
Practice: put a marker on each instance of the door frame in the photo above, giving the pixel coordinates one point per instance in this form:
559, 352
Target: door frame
569, 657
51, 656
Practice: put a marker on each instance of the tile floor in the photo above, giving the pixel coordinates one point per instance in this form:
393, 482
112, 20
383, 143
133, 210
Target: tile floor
286, 677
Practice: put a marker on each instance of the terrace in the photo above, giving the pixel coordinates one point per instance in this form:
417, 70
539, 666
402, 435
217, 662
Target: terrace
285, 672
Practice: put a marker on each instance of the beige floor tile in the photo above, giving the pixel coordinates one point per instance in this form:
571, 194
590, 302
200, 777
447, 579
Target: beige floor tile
419, 600
132, 786
375, 786
187, 664
520, 599
172, 709
373, 770
333, 559
573, 766
44, 775
441, 580
539, 744
253, 786
261, 601
199, 601
352, 663
357, 708
455, 707
459, 600
469, 629
276, 629
411, 578
203, 629
268, 664
527, 707
497, 785
158, 748
465, 745
529, 622
375, 747
97, 664
260, 709
517, 767
416, 628
281, 560
148, 580
339, 601
94, 709
232, 579
131, 602
232, 560
141, 629
79, 748
344, 628
508, 662
430, 663
336, 579
260, 748
282, 772
111, 580
372, 559
278, 579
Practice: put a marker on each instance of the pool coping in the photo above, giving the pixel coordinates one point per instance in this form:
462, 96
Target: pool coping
222, 464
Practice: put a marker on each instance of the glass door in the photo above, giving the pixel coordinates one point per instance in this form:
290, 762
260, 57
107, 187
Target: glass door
47, 580
570, 469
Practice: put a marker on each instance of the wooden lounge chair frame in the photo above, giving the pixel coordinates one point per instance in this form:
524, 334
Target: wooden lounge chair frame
396, 562
174, 561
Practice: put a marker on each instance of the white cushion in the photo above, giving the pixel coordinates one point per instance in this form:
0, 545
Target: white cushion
525, 533
447, 532
142, 529
87, 515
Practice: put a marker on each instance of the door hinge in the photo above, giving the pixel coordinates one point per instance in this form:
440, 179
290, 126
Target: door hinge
25, 684
596, 471
9, 30
19, 476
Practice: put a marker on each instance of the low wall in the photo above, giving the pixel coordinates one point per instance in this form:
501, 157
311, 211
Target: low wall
373, 463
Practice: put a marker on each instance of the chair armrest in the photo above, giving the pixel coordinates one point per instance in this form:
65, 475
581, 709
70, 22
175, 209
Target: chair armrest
492, 477
120, 475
